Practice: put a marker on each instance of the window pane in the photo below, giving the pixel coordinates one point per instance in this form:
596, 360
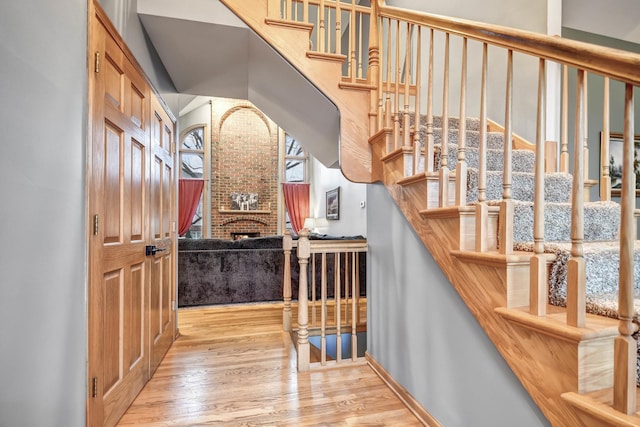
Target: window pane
194, 140
192, 165
294, 171
292, 148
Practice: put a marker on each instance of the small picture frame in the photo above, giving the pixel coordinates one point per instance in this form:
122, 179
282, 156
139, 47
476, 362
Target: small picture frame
333, 204
615, 162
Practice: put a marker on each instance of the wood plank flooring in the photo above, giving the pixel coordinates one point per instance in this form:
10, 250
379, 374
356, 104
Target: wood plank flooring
233, 366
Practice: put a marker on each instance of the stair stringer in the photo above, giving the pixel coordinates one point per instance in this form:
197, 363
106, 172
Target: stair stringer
353, 105
548, 361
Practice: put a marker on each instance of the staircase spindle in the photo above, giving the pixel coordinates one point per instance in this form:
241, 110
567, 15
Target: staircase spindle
338, 303
506, 206
388, 116
418, 149
605, 179
625, 347
406, 127
304, 251
373, 74
396, 106
461, 165
287, 246
354, 309
347, 287
360, 55
538, 264
338, 36
444, 149
576, 276
314, 322
321, 27
585, 139
482, 210
564, 151
353, 65
323, 311
428, 152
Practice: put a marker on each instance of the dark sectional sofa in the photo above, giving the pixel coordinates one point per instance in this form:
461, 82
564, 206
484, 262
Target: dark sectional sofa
212, 271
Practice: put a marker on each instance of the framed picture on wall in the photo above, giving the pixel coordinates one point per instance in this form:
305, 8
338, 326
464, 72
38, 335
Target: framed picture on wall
615, 162
333, 203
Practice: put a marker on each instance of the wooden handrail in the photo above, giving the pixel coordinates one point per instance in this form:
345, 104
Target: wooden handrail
614, 63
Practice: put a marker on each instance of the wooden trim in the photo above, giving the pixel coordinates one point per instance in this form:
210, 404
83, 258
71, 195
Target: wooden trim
331, 57
410, 402
554, 324
290, 24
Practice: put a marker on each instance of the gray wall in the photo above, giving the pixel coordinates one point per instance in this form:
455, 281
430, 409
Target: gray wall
424, 336
42, 214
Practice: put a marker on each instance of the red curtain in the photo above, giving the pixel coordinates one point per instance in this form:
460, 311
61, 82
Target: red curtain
296, 197
189, 192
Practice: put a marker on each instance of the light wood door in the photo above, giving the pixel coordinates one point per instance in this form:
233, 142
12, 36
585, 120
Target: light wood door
131, 189
162, 234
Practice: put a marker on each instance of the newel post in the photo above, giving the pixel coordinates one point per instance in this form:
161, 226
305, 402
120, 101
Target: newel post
287, 245
304, 252
373, 75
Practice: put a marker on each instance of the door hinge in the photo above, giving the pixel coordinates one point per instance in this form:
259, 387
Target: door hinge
94, 387
96, 220
97, 62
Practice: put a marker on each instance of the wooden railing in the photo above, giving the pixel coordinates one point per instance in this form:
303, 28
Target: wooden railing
404, 51
337, 313
401, 62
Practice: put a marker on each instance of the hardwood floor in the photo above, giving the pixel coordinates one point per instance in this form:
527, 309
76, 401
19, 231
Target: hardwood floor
234, 366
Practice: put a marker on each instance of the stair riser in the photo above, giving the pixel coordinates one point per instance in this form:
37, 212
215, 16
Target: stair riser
557, 186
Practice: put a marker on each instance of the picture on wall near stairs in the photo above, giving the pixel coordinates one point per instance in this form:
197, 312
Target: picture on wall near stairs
333, 203
615, 162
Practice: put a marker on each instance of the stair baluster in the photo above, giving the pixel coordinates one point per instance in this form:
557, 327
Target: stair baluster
538, 293
443, 200
576, 274
396, 103
482, 210
461, 166
428, 152
605, 179
625, 349
373, 72
564, 143
321, 28
505, 221
418, 149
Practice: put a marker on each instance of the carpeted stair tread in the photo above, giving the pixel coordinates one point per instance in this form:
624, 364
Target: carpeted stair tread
454, 122
602, 261
495, 140
522, 160
601, 221
557, 187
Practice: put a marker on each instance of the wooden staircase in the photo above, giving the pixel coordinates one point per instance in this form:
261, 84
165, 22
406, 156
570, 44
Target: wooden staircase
567, 370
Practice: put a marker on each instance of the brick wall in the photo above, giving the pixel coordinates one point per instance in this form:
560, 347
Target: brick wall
244, 158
